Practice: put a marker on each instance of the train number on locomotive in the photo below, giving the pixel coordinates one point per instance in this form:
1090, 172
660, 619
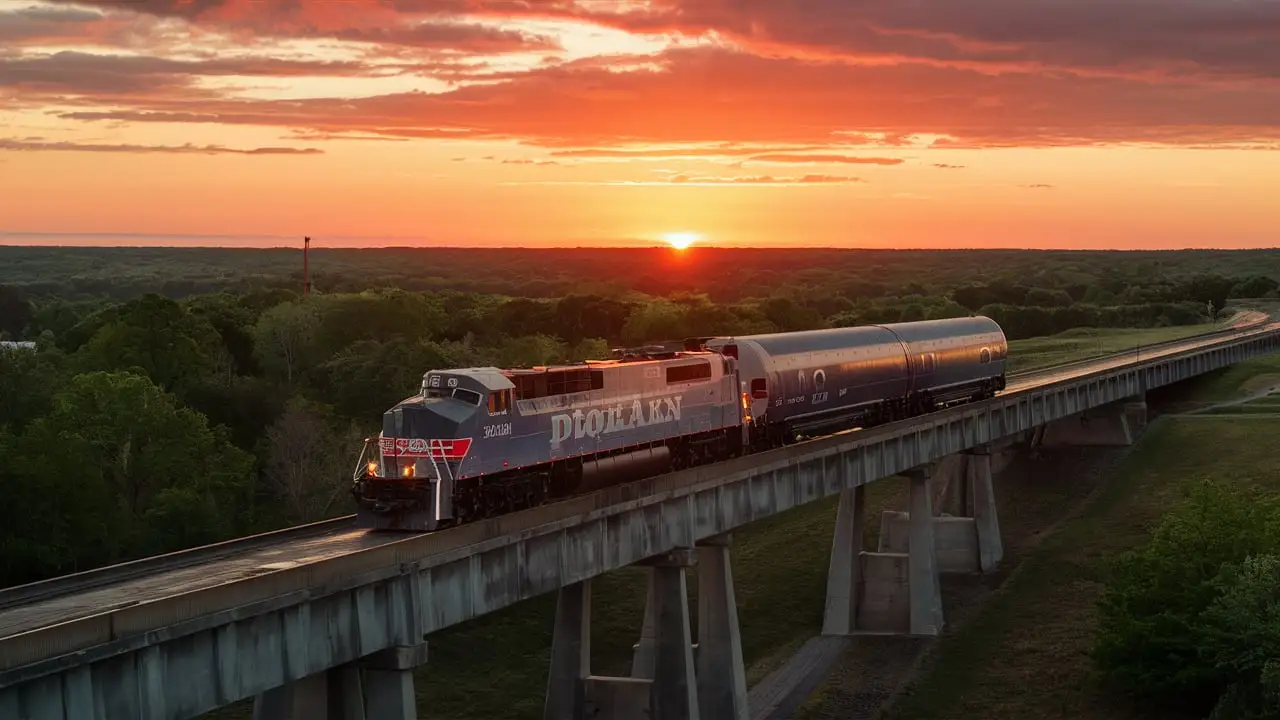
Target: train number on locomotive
499, 430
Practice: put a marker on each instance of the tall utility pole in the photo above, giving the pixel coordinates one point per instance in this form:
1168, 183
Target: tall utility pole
306, 268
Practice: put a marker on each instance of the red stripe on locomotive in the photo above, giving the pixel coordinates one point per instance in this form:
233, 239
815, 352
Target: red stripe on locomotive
453, 449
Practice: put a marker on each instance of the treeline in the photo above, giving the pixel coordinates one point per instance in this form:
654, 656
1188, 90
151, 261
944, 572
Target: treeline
152, 424
726, 275
1189, 624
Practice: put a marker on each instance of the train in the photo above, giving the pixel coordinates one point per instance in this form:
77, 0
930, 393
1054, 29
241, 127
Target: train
480, 442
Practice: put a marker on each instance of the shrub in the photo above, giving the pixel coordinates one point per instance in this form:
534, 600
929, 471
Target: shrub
1164, 632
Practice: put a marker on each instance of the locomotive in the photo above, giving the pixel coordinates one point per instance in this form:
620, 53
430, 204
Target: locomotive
480, 442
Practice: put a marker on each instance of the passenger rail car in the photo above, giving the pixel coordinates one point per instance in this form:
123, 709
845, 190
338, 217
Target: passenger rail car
479, 442
807, 383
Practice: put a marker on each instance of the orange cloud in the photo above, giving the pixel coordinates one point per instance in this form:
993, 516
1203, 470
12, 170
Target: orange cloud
834, 159
709, 95
38, 145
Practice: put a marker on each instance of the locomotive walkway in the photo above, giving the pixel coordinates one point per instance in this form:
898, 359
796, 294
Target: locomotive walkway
328, 621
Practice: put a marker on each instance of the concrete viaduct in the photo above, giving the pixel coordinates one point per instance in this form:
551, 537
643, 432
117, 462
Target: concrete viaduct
326, 621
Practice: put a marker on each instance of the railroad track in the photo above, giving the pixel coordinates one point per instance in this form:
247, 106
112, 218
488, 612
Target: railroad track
38, 606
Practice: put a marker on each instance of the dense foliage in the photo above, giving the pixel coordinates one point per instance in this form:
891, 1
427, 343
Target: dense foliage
181, 396
1191, 620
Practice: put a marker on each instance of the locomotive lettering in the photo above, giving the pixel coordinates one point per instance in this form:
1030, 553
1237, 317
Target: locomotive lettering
613, 419
499, 430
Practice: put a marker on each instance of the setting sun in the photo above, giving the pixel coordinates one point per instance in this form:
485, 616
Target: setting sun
681, 240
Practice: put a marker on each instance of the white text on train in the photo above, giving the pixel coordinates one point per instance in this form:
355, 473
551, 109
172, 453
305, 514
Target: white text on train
613, 419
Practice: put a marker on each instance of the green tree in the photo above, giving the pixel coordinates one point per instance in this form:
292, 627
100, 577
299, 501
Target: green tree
158, 336
1152, 619
1242, 637
309, 461
16, 312
284, 338
116, 470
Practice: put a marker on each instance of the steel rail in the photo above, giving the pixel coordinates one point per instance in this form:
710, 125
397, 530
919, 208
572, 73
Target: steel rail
98, 577
181, 612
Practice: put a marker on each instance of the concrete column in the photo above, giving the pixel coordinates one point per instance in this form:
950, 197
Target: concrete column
1135, 409
674, 693
333, 694
722, 678
389, 682
982, 501
926, 592
570, 653
844, 570
642, 652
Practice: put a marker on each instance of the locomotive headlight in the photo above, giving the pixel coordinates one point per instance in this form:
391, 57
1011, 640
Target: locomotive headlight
372, 468
409, 470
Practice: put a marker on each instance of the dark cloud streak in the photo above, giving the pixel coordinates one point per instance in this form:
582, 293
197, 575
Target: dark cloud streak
31, 145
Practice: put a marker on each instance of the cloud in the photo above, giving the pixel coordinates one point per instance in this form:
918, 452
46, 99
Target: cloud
945, 166
771, 80
824, 159
1175, 37
45, 24
764, 180
100, 74
1037, 186
710, 95
36, 145
453, 36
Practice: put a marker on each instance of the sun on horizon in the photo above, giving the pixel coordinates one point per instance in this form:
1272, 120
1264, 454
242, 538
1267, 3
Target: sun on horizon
681, 240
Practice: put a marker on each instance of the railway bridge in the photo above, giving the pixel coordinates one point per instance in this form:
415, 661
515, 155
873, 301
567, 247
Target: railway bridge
328, 621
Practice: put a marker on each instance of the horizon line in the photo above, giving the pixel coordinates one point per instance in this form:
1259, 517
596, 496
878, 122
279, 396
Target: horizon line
294, 242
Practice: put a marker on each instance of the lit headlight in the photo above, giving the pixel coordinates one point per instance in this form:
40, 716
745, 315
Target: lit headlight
373, 468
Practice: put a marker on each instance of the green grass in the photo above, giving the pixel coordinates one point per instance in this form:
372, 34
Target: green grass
1083, 343
1027, 652
1246, 378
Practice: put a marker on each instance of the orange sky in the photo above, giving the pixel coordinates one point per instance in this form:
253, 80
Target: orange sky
871, 123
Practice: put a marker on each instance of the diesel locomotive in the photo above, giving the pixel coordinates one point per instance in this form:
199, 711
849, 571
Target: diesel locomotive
479, 442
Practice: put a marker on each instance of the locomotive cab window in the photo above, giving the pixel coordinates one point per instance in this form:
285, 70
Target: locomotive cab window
689, 373
467, 396
499, 402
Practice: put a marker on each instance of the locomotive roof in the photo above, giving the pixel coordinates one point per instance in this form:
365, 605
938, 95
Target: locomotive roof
493, 379
596, 364
490, 378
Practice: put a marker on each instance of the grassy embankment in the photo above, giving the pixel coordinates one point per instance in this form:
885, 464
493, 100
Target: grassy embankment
1027, 652
496, 666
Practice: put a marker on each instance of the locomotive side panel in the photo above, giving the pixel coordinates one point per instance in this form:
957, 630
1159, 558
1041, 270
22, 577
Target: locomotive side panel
628, 404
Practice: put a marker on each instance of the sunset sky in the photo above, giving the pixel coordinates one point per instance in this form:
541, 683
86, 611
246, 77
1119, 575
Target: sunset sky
859, 123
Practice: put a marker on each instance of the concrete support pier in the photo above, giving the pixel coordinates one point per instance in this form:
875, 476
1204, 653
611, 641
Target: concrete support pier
969, 541
570, 653
671, 691
924, 585
844, 570
674, 695
722, 677
885, 592
383, 690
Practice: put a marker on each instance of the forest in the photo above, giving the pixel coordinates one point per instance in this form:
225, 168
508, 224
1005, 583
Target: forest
176, 397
